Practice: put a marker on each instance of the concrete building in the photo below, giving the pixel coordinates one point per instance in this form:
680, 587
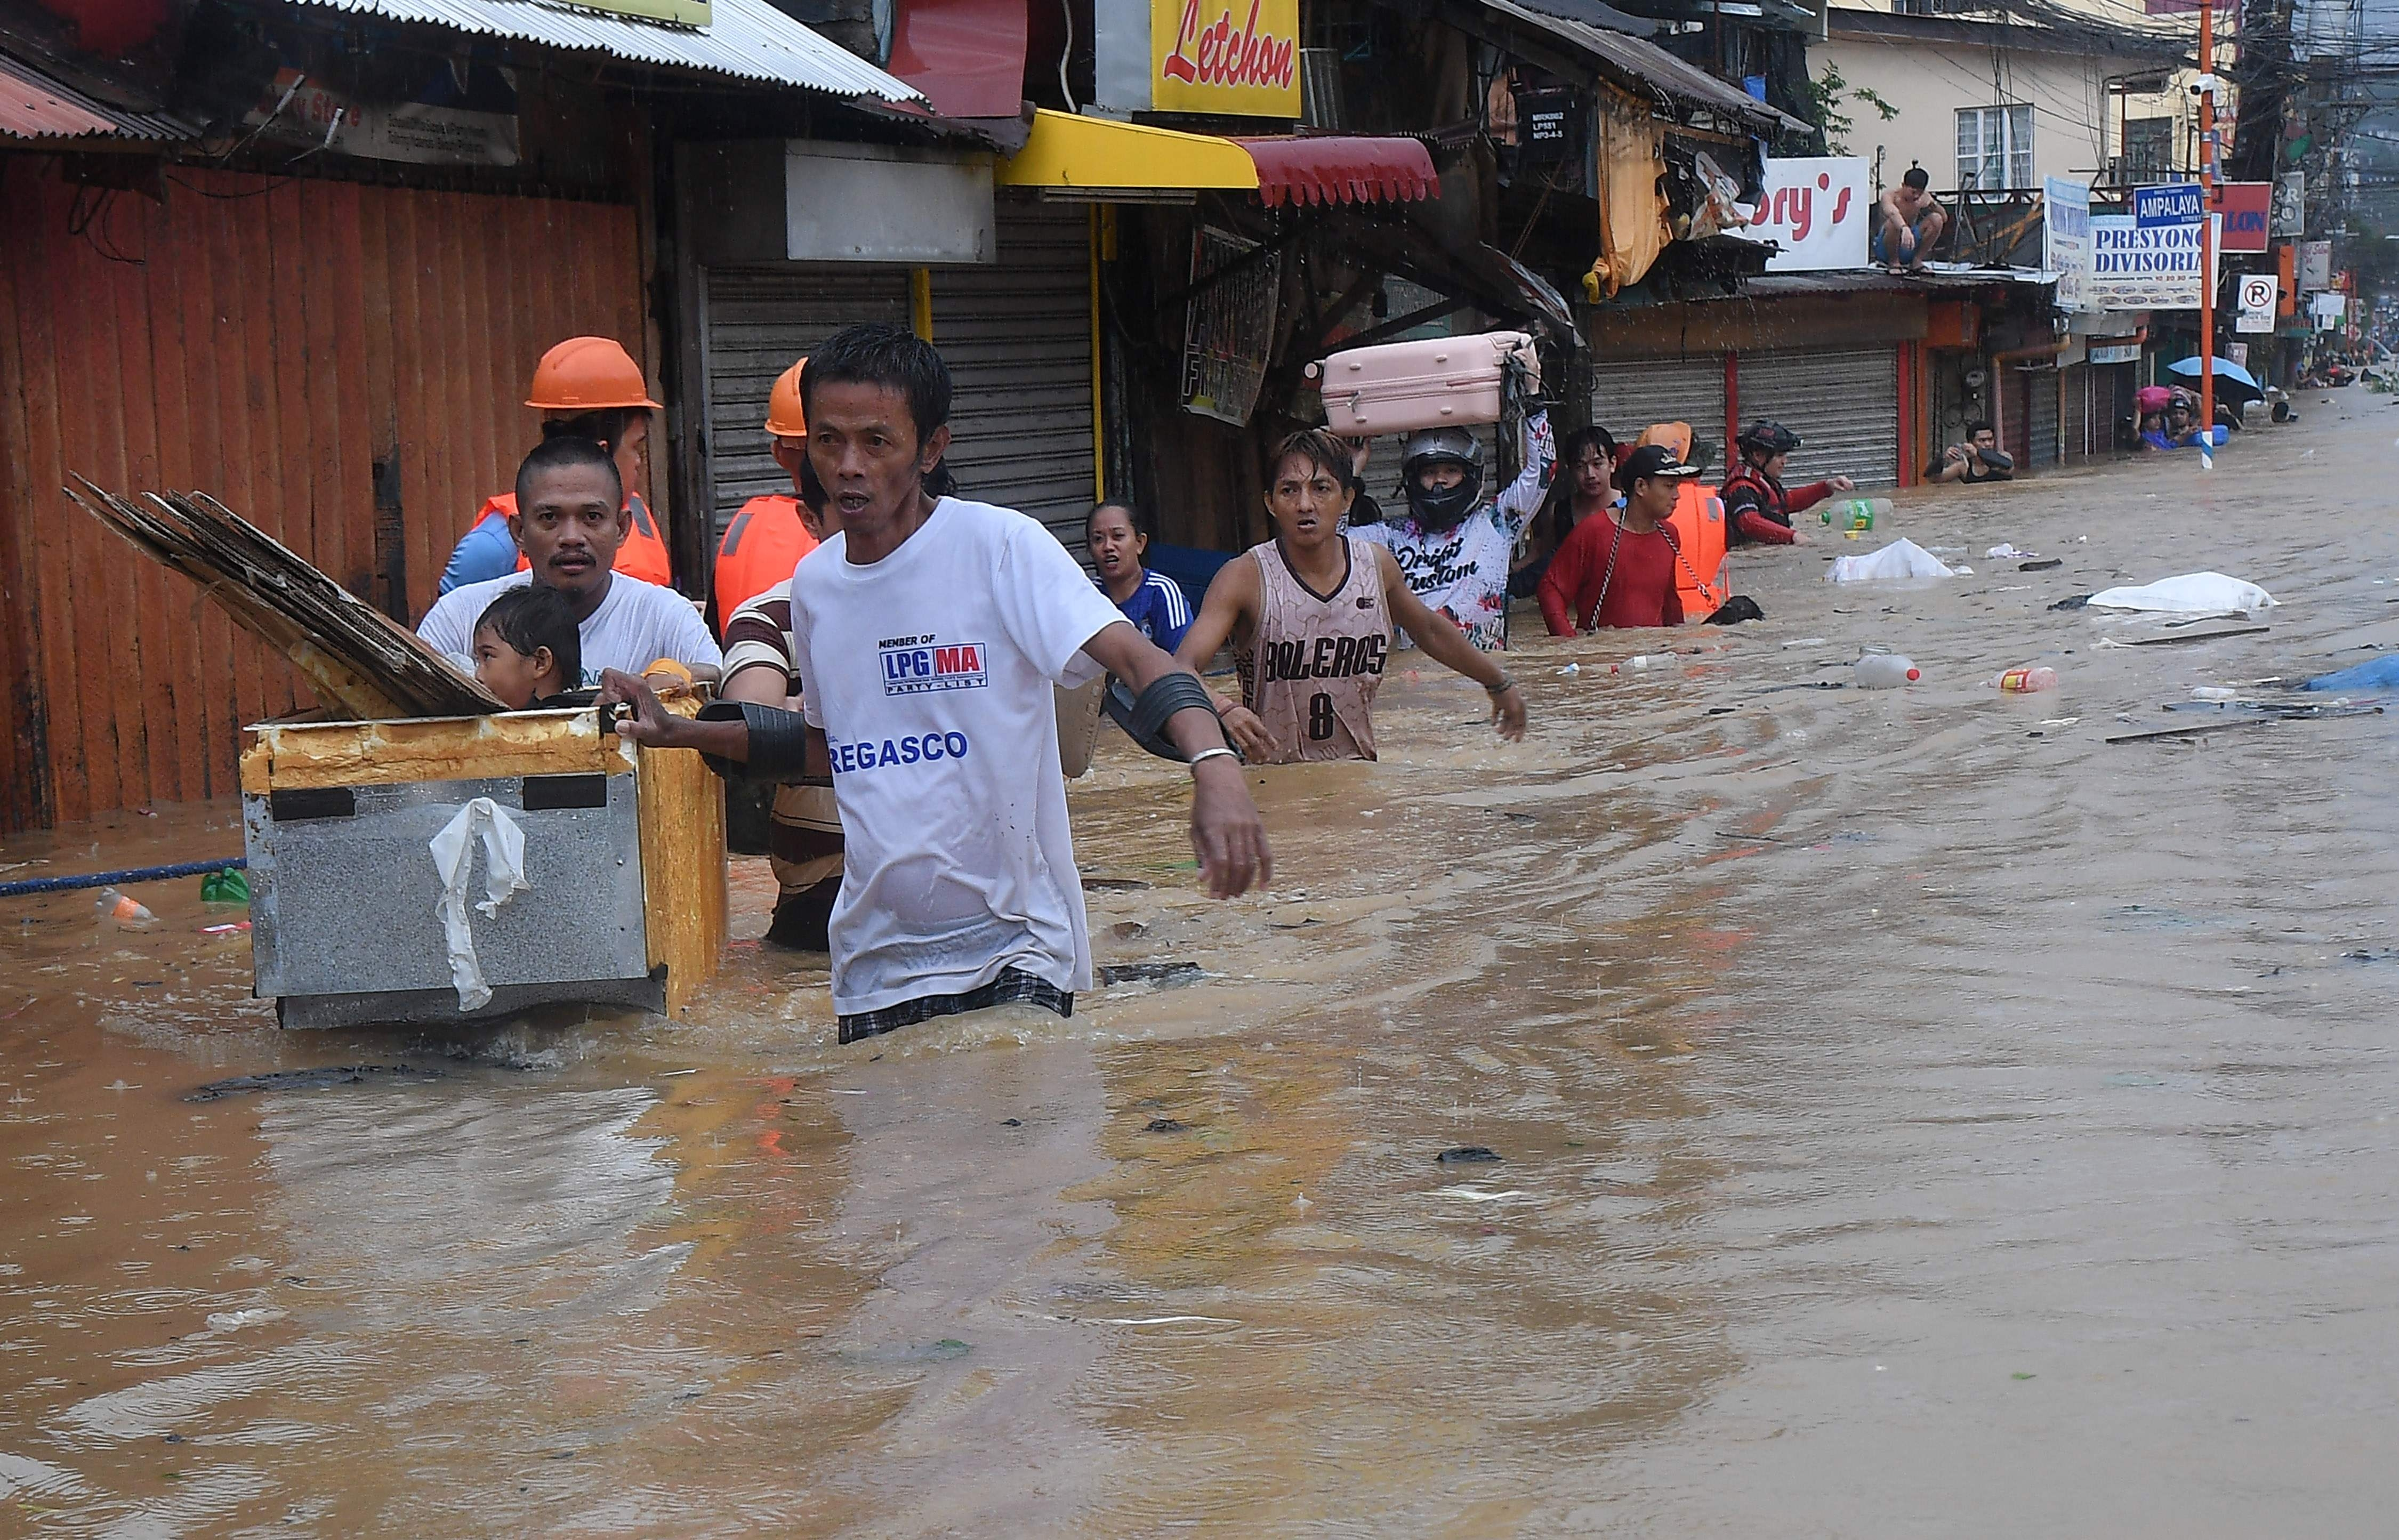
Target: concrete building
1987, 100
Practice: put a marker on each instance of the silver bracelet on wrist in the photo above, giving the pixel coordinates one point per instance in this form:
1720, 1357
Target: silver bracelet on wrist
1218, 752
1506, 684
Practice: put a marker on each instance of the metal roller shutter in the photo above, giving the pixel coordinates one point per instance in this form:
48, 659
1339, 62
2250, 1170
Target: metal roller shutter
1627, 395
1843, 403
2074, 411
1018, 338
2043, 385
759, 322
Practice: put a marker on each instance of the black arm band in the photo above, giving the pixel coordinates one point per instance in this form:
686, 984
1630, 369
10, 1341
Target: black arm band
1143, 717
778, 743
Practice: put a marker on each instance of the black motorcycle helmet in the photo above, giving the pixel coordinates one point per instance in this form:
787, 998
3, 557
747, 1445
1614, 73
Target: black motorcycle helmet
1767, 438
1440, 508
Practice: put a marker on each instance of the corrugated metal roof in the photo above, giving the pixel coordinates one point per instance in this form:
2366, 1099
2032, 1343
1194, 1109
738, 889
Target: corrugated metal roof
1650, 65
746, 39
1863, 280
32, 105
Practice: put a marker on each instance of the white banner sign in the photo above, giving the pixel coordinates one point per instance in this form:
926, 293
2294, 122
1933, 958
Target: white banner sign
2065, 240
1816, 209
2258, 292
2136, 269
2329, 309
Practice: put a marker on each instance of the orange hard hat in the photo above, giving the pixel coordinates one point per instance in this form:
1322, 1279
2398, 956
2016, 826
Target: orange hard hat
1674, 436
784, 418
588, 374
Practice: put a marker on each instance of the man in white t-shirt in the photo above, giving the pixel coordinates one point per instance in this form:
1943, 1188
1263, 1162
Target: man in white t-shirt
930, 632
570, 518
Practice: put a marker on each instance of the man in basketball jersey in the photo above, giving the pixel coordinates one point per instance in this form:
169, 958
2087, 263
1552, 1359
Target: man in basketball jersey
1310, 614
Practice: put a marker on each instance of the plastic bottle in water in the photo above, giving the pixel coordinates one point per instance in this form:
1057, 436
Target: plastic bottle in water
1636, 665
2025, 681
1885, 671
128, 912
1856, 513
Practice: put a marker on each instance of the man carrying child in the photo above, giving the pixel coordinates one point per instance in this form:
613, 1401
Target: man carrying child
570, 518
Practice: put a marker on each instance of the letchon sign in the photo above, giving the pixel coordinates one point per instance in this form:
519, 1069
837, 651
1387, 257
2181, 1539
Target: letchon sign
2065, 240
2169, 203
2137, 269
1239, 58
2258, 292
2246, 207
1816, 209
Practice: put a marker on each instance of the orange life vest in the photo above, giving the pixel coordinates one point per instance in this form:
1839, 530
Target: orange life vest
1699, 525
643, 554
761, 546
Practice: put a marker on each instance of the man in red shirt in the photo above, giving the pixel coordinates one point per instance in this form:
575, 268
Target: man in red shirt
1619, 568
1758, 505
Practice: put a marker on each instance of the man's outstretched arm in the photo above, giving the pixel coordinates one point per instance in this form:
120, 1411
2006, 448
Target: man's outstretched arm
1225, 832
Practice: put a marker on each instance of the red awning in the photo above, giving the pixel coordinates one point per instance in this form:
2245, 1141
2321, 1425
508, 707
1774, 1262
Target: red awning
1337, 169
967, 56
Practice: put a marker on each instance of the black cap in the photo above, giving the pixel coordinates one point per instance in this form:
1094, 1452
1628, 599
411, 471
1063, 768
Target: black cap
1649, 462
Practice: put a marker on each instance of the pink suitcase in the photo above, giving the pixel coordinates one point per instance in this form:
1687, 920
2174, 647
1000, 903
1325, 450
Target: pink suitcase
1398, 387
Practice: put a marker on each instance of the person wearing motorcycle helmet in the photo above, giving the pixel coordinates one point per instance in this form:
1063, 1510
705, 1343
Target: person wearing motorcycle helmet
1758, 505
1453, 548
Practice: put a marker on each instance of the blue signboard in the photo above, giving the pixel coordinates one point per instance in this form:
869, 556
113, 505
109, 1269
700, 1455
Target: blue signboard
2166, 204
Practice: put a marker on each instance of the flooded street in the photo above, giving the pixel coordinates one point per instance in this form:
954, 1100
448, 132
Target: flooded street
1917, 1117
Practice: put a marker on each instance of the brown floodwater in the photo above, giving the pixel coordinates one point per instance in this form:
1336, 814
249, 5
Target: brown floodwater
1918, 1117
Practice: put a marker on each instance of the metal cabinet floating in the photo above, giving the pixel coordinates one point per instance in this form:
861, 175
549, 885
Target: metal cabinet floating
624, 855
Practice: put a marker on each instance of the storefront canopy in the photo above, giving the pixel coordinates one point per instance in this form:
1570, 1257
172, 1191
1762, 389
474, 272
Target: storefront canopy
1096, 159
1575, 49
745, 39
1337, 169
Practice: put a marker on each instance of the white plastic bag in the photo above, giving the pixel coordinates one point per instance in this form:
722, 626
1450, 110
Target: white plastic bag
504, 878
1900, 558
2192, 593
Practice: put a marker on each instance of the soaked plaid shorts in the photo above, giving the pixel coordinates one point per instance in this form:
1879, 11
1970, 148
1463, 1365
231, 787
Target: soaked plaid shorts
1013, 987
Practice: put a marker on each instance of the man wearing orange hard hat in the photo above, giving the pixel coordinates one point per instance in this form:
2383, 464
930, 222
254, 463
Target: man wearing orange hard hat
588, 387
769, 536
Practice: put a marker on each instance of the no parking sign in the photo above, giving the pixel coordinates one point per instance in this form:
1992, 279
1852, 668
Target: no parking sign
2258, 291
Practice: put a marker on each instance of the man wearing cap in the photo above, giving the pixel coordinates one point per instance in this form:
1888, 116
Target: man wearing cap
1621, 569
1757, 507
586, 388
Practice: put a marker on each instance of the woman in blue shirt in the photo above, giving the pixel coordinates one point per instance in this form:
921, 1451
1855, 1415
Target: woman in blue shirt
1155, 603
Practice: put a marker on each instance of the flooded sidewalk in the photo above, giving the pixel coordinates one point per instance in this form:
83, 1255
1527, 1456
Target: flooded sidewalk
1916, 1115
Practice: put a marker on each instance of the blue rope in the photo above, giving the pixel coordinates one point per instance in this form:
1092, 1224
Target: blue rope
110, 879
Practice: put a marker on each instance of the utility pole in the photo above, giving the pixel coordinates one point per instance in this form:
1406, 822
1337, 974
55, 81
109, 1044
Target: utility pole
2207, 201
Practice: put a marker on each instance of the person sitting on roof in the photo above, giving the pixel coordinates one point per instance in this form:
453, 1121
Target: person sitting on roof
1758, 505
586, 388
1907, 222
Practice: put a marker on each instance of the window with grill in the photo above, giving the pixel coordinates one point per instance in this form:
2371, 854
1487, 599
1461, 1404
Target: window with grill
1995, 146
2149, 149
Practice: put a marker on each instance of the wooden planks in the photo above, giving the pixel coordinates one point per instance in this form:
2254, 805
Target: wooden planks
287, 756
275, 343
685, 905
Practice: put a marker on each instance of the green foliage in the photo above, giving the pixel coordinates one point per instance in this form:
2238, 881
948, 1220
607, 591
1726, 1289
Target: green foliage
1830, 94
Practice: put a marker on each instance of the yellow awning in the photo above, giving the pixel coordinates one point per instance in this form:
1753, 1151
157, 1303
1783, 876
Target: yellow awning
1095, 156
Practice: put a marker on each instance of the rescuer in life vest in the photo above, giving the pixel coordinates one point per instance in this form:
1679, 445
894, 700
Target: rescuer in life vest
769, 536
592, 388
1756, 501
